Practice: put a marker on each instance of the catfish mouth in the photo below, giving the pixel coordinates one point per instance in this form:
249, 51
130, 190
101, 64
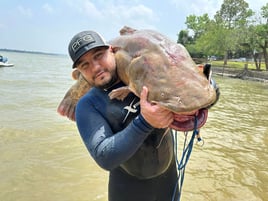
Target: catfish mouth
186, 122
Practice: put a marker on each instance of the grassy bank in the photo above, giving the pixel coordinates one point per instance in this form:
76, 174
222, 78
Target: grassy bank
237, 70
239, 65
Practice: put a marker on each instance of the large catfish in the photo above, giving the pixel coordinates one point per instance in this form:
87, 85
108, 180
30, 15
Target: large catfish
175, 82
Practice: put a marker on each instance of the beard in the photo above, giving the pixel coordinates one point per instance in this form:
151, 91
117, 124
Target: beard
109, 82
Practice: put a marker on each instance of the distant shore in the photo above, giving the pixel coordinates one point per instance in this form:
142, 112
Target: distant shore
245, 74
31, 52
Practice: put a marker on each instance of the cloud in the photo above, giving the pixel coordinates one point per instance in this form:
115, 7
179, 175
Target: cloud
84, 7
91, 10
139, 11
256, 5
111, 10
112, 14
25, 11
198, 7
136, 15
48, 8
203, 6
2, 26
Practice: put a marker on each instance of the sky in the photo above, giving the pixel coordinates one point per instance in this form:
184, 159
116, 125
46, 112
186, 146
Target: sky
48, 25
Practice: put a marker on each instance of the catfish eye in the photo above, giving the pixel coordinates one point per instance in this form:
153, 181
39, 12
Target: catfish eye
207, 71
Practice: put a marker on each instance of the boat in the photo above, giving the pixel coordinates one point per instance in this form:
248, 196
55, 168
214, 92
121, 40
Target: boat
4, 62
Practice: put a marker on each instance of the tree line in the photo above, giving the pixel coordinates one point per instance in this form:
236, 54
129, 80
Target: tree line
234, 31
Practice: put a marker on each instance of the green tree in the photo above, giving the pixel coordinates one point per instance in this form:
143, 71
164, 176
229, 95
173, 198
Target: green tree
232, 31
221, 35
257, 39
233, 13
214, 40
198, 24
233, 17
262, 32
184, 38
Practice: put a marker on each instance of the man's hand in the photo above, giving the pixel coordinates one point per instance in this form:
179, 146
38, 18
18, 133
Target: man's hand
155, 115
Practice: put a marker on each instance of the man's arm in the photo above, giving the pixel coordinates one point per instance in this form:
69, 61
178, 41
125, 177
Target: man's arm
110, 149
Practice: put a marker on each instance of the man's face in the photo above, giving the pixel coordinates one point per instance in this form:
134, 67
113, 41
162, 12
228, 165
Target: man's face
98, 67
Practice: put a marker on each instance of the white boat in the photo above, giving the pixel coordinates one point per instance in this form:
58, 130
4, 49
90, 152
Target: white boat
2, 64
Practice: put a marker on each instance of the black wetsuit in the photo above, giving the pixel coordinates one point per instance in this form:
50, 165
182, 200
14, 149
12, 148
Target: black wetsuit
141, 163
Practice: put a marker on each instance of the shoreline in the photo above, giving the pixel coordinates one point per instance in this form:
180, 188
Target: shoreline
244, 74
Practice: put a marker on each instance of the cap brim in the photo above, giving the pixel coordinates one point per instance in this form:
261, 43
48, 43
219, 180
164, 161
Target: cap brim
85, 50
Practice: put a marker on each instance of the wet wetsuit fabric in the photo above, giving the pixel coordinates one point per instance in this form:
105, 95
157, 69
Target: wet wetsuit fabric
121, 141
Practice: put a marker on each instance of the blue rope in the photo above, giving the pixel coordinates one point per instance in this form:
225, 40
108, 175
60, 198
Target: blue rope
187, 150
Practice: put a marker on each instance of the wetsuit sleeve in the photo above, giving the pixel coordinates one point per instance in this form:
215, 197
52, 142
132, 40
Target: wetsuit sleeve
109, 149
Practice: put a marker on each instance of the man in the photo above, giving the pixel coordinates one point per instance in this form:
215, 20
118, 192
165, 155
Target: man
128, 138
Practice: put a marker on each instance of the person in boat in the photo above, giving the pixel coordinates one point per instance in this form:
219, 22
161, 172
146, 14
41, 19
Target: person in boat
3, 59
128, 138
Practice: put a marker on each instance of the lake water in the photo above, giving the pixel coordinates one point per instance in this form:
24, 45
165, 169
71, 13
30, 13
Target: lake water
43, 158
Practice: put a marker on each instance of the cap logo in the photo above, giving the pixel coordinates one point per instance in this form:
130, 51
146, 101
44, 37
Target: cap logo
83, 40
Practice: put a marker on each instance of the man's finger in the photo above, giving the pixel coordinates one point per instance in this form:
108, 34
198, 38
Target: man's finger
144, 94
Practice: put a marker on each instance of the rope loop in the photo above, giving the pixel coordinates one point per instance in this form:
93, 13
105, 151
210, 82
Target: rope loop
186, 153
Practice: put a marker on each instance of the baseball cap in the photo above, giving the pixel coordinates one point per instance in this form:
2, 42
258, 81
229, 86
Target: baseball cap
83, 42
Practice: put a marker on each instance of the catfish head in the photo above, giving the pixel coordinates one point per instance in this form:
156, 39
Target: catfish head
179, 86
